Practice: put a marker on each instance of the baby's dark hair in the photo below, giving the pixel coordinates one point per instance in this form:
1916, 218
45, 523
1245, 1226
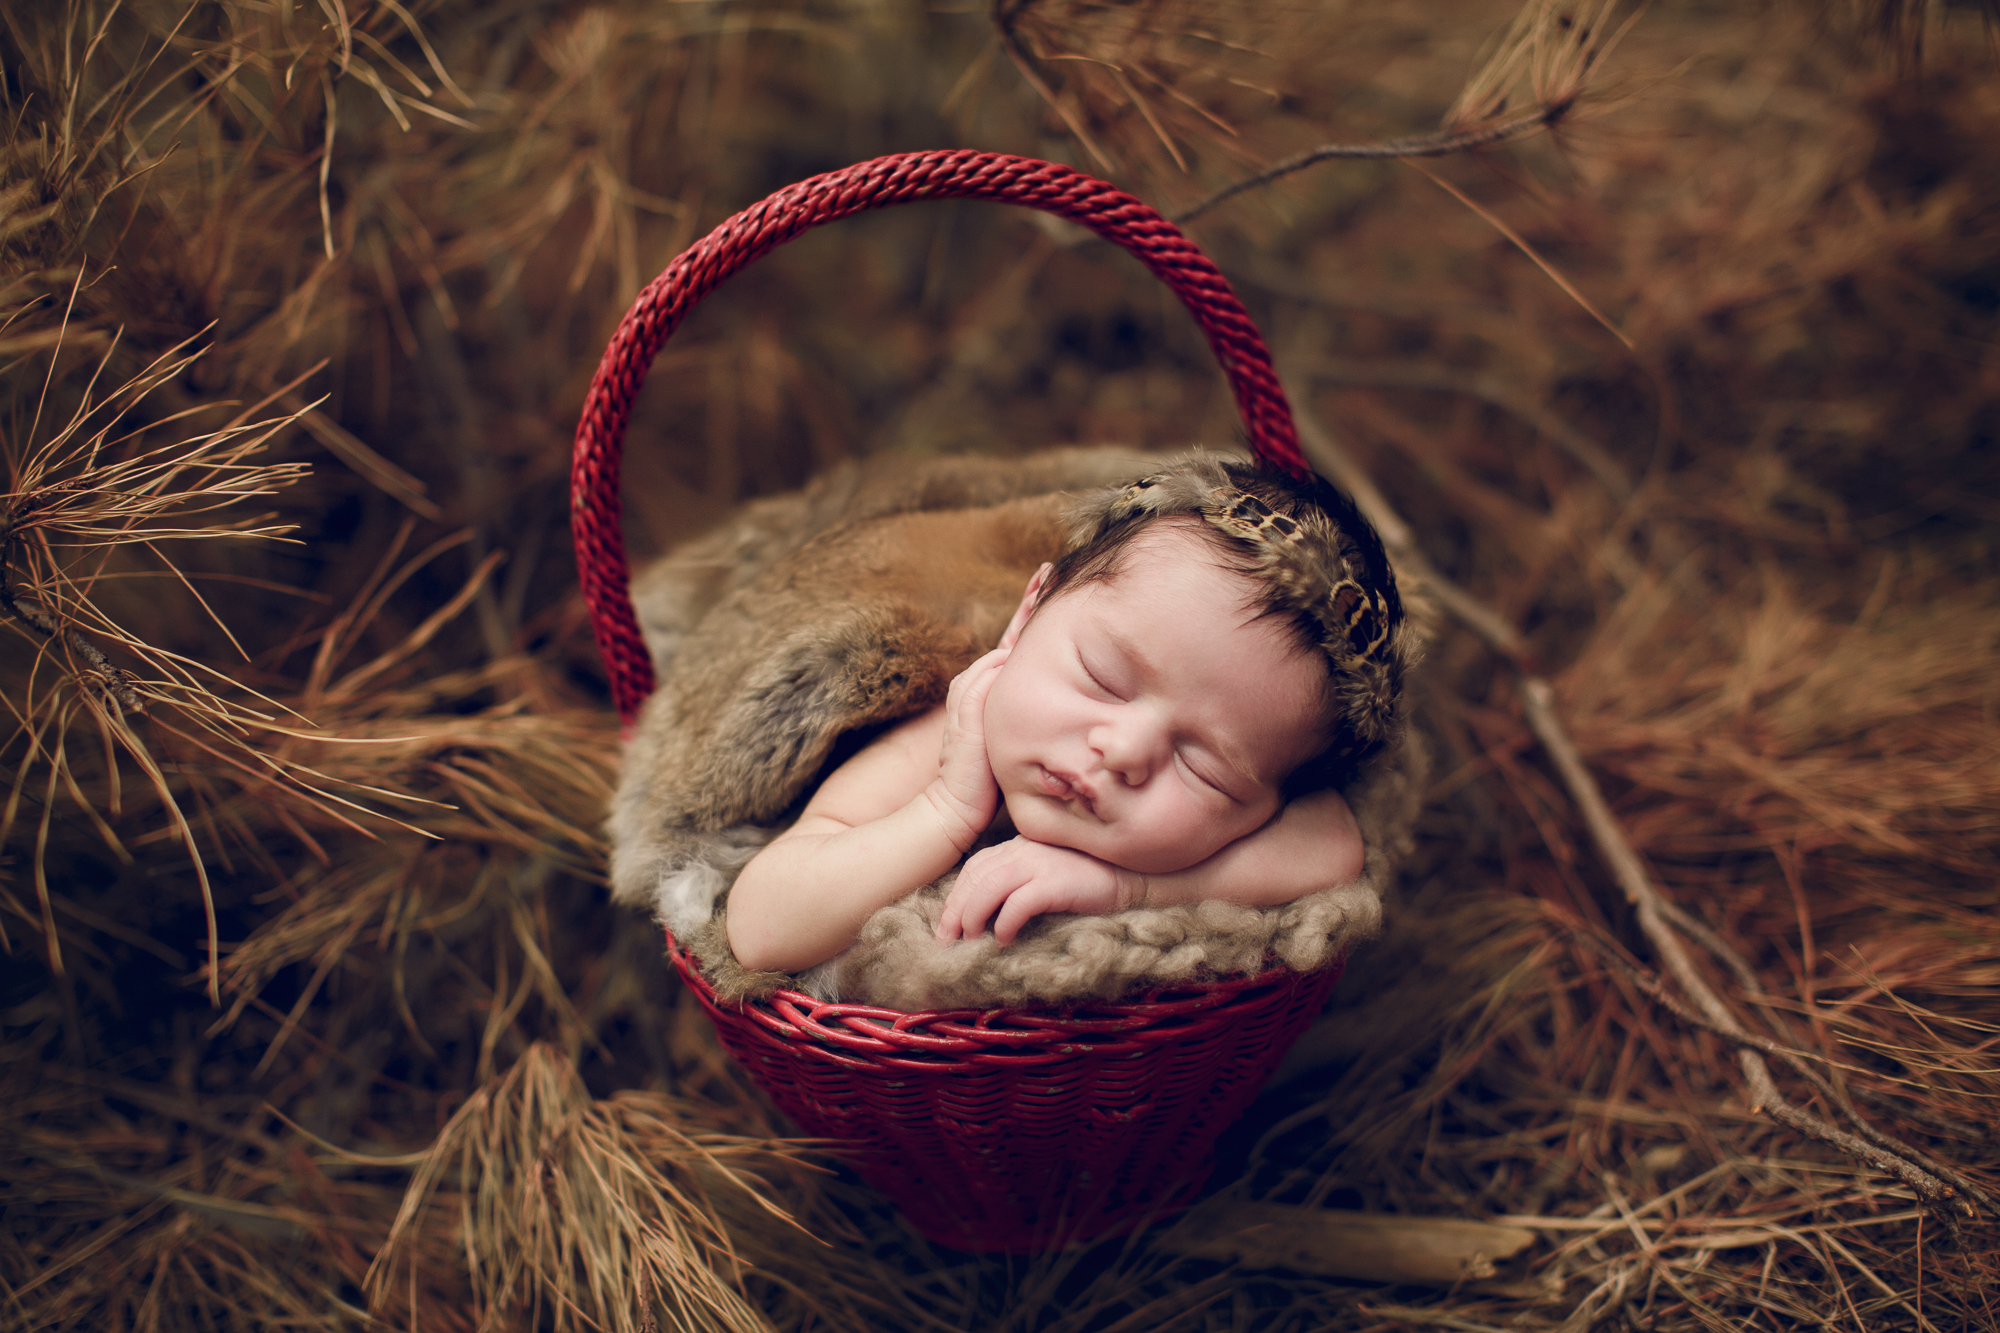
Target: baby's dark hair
1317, 564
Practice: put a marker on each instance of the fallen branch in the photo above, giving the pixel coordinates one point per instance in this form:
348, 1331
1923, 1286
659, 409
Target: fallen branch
1657, 917
1374, 1247
1887, 1154
1440, 144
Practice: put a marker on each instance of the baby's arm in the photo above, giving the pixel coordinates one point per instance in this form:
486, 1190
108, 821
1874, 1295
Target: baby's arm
894, 817
1311, 844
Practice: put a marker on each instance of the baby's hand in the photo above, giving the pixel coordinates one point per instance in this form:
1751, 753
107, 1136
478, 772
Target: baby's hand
1032, 878
964, 792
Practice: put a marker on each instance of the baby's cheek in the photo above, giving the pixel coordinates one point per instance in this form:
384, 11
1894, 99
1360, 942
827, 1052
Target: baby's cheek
1033, 820
1211, 826
1016, 809
1176, 835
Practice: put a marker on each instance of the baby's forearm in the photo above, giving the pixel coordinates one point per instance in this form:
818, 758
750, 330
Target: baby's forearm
1313, 844
804, 898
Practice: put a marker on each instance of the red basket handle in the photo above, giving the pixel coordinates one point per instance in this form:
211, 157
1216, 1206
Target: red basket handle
904, 178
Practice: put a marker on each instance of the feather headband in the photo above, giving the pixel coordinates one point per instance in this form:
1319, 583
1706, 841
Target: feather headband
1318, 560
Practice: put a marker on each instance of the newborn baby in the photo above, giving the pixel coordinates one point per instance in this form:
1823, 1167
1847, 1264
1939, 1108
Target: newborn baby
1164, 721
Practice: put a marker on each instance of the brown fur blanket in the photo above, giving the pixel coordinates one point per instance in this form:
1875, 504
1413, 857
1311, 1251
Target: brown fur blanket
805, 623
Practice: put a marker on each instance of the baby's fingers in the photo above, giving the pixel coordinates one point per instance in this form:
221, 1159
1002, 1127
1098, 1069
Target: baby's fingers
947, 928
965, 702
974, 896
1021, 907
962, 918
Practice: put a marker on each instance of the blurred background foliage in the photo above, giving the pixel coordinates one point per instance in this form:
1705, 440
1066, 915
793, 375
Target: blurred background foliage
314, 1011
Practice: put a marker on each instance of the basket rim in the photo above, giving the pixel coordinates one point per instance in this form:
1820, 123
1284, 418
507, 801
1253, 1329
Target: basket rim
937, 1039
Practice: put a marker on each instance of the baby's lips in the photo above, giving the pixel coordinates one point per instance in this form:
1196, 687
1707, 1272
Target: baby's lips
1067, 789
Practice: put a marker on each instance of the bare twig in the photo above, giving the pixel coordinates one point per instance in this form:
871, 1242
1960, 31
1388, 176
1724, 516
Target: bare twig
1440, 144
1895, 1154
1538, 702
117, 683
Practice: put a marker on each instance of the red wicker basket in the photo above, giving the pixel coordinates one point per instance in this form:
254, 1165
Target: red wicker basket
1005, 1129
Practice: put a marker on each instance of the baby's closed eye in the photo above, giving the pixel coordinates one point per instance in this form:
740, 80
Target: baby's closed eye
1205, 772
1096, 680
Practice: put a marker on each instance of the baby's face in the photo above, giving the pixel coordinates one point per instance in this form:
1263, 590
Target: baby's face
1147, 719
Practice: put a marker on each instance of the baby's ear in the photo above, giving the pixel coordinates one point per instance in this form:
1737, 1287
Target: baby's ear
1027, 606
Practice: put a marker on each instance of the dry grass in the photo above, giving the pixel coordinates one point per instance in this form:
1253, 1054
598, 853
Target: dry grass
333, 748
590, 1214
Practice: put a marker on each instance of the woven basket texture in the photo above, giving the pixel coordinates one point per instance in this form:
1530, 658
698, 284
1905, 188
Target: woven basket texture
1023, 1130
1001, 1130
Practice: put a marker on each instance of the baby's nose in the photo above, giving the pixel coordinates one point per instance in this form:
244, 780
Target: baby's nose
1130, 745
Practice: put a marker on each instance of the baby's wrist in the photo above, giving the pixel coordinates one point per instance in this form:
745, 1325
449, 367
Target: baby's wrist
1132, 888
960, 821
